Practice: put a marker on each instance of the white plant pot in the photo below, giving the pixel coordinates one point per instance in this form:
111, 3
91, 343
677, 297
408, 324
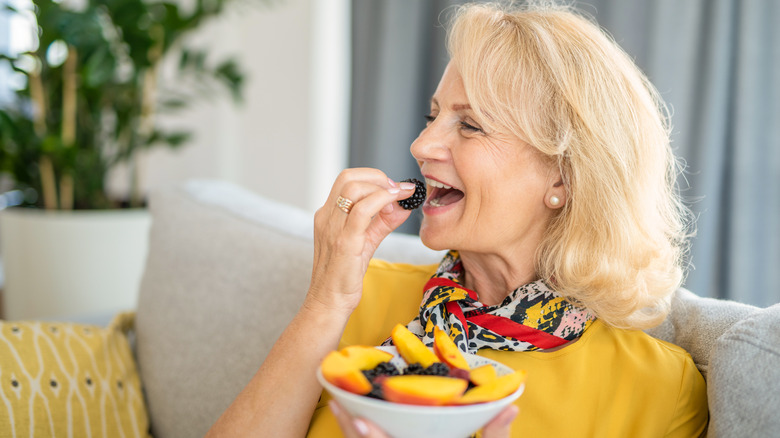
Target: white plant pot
71, 264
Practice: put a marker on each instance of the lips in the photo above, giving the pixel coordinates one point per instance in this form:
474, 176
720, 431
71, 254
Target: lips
441, 195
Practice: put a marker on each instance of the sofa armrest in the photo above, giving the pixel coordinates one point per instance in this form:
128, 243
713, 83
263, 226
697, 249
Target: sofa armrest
744, 383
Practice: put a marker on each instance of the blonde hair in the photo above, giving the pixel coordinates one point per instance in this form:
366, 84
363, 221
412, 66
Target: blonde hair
558, 82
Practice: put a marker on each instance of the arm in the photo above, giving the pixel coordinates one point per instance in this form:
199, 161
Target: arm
280, 398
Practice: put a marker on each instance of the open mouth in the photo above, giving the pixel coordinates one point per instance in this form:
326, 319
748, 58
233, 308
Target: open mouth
441, 195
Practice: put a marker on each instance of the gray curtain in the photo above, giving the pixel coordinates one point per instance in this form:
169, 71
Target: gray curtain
717, 65
398, 57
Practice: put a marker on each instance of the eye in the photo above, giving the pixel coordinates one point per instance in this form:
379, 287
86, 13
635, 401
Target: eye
429, 118
469, 127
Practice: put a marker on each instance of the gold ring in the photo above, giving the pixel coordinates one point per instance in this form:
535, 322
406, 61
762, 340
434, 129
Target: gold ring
344, 204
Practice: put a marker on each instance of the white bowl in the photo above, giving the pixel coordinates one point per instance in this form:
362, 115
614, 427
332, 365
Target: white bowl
413, 421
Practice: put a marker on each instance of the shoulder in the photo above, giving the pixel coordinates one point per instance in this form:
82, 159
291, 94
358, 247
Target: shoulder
662, 370
645, 354
637, 340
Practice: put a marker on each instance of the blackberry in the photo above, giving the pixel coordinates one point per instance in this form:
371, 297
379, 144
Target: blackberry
383, 369
437, 369
370, 374
376, 391
417, 198
414, 369
386, 369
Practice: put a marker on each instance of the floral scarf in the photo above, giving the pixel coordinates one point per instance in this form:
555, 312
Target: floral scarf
532, 317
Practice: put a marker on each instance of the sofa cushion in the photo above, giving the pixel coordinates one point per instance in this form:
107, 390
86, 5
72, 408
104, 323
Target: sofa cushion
218, 288
226, 272
88, 384
744, 374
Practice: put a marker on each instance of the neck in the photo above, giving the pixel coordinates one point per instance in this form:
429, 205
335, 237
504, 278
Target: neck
494, 276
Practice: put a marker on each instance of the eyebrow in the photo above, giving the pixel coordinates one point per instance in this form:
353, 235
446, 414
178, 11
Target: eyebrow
456, 107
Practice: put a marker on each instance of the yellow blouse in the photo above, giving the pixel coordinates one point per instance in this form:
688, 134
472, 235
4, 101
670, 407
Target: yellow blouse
610, 383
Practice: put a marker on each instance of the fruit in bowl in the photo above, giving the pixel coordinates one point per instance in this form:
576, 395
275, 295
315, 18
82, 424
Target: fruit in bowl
411, 390
345, 368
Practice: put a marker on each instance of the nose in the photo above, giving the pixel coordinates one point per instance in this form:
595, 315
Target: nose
430, 145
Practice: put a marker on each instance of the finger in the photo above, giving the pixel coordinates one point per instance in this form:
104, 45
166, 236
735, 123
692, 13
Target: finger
349, 233
407, 189
354, 427
501, 425
365, 174
356, 192
365, 211
372, 200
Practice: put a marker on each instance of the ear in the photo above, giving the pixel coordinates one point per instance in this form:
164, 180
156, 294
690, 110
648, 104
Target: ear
555, 197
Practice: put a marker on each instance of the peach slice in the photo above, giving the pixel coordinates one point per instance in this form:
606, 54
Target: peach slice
495, 390
482, 375
411, 348
365, 357
447, 351
343, 368
339, 370
423, 390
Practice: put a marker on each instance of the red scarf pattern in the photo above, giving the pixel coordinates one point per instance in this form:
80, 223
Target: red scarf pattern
532, 317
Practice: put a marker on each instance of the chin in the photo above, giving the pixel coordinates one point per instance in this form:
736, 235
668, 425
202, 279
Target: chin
433, 240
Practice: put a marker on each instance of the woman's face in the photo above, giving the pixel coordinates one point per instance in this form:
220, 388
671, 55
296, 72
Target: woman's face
486, 190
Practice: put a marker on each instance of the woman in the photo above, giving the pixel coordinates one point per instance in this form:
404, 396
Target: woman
549, 169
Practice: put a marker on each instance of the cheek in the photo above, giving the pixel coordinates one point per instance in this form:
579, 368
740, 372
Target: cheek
502, 204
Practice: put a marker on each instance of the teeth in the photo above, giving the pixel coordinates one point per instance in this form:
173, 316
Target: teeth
435, 203
435, 183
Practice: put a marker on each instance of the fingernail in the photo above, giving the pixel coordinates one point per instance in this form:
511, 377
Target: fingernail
334, 407
508, 420
360, 426
394, 190
407, 186
391, 182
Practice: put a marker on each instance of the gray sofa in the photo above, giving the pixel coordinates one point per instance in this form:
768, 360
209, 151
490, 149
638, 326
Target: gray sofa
227, 269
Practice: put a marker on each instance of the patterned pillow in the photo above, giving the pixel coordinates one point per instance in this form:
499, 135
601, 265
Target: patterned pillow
65, 379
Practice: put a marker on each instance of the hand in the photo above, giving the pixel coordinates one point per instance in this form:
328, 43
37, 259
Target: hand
499, 427
345, 242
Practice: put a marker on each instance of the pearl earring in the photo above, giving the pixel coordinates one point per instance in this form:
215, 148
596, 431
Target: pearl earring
554, 201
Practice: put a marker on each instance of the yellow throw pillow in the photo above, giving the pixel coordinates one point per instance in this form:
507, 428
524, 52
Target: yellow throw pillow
65, 379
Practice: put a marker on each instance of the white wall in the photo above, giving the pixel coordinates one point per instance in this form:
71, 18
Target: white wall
288, 139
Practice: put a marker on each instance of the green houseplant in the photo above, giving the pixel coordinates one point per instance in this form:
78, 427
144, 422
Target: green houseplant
91, 94
89, 101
